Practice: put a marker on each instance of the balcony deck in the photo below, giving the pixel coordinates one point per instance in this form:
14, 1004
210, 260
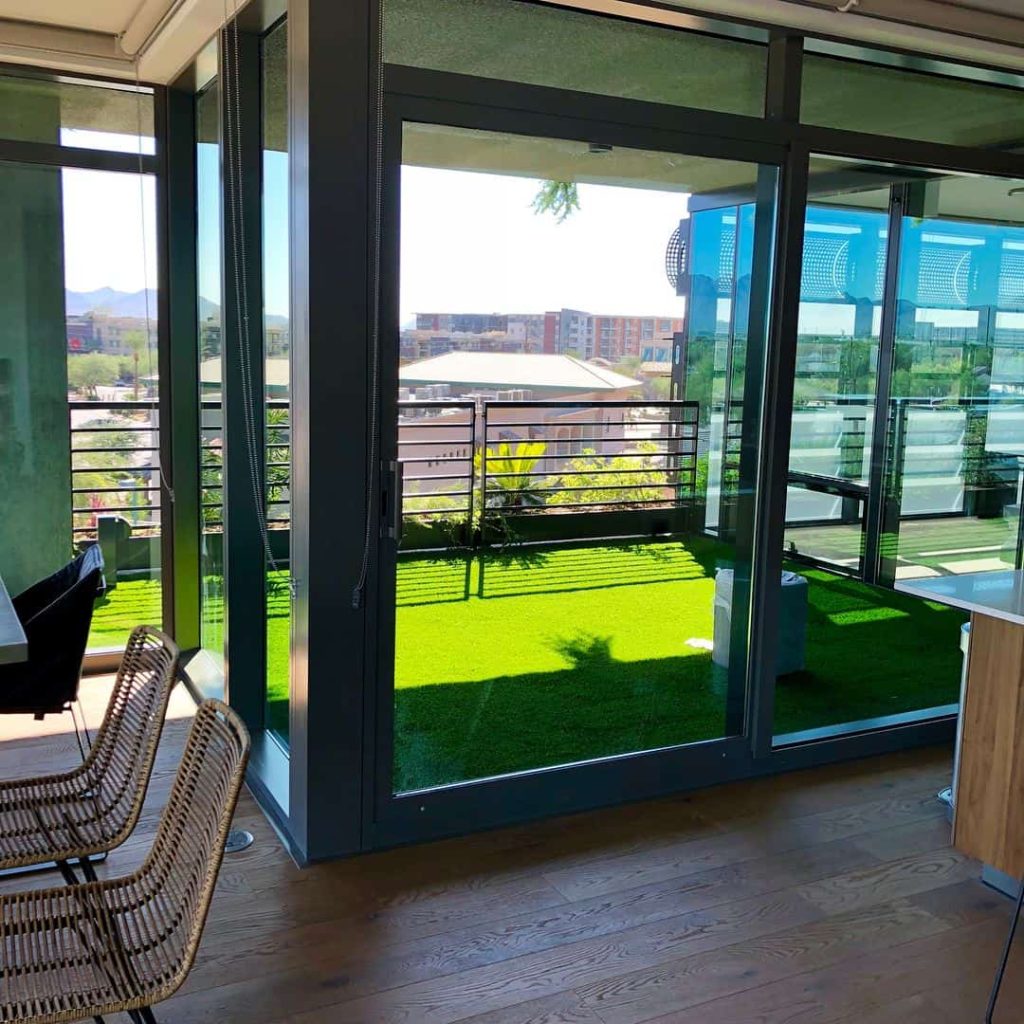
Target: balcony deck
822, 896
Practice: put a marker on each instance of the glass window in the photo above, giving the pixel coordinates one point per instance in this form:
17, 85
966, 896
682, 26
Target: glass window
541, 45
907, 437
108, 117
277, 349
78, 385
852, 95
521, 641
211, 454
958, 378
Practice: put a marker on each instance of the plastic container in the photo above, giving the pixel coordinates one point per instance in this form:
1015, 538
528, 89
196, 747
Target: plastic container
792, 621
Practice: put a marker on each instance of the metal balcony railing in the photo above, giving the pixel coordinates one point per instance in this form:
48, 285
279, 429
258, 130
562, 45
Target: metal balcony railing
115, 464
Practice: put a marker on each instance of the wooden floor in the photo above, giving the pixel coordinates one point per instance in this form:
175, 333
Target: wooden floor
829, 895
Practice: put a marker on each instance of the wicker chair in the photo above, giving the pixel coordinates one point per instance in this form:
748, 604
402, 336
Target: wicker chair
93, 808
76, 952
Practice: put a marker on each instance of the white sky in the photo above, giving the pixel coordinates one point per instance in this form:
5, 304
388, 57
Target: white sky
471, 243
105, 234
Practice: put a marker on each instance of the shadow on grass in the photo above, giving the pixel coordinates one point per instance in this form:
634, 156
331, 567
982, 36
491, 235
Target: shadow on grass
449, 732
600, 566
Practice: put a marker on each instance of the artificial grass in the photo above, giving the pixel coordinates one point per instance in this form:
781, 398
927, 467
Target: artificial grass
537, 657
576, 653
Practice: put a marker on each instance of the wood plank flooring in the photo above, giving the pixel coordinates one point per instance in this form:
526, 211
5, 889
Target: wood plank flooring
823, 896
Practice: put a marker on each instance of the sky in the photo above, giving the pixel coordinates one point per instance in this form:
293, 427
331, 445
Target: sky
106, 233
472, 243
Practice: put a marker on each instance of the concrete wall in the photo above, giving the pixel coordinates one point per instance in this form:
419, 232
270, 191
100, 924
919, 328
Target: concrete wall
35, 486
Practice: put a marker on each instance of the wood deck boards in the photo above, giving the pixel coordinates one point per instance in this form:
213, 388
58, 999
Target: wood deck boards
824, 896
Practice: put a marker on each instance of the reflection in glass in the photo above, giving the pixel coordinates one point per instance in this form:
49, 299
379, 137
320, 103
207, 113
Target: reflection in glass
556, 594
907, 432
277, 348
211, 452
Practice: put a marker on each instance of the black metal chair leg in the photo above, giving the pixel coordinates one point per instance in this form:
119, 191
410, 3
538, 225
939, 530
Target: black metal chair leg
146, 1015
1001, 970
70, 878
85, 865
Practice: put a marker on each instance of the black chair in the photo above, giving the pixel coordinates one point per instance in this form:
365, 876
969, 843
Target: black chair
56, 614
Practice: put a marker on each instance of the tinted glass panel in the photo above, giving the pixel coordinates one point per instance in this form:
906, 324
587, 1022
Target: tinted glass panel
277, 377
538, 45
860, 97
83, 116
211, 454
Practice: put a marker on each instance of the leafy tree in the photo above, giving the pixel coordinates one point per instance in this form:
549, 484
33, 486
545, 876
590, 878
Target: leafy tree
137, 342
88, 372
561, 198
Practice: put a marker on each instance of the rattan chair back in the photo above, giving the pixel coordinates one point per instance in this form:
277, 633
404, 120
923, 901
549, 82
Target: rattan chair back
124, 944
175, 884
94, 808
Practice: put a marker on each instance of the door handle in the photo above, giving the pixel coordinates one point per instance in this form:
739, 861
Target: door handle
393, 503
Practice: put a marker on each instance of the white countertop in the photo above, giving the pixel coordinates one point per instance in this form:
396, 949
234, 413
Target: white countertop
999, 594
13, 643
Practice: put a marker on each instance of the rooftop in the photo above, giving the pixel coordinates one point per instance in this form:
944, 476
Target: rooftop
515, 370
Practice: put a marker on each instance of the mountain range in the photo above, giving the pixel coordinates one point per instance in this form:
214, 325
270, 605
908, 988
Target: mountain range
134, 304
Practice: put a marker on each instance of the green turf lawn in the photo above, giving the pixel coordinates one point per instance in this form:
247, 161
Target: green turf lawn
582, 652
542, 657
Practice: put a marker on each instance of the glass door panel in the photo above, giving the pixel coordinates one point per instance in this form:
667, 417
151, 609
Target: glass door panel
958, 384
211, 396
930, 485
834, 391
567, 435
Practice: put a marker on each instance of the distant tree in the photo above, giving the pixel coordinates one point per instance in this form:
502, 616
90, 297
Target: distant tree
561, 198
88, 372
137, 342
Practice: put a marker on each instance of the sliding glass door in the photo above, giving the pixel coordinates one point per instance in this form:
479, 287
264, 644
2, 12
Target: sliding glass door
907, 432
572, 379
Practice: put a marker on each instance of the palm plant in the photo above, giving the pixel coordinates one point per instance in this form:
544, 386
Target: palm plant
511, 482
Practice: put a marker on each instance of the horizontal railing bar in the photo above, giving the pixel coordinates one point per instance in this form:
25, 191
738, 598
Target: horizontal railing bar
114, 508
147, 428
114, 490
435, 511
113, 451
77, 406
441, 476
435, 458
414, 495
491, 424
586, 487
614, 404
693, 441
436, 403
595, 504
587, 472
421, 444
114, 469
418, 423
